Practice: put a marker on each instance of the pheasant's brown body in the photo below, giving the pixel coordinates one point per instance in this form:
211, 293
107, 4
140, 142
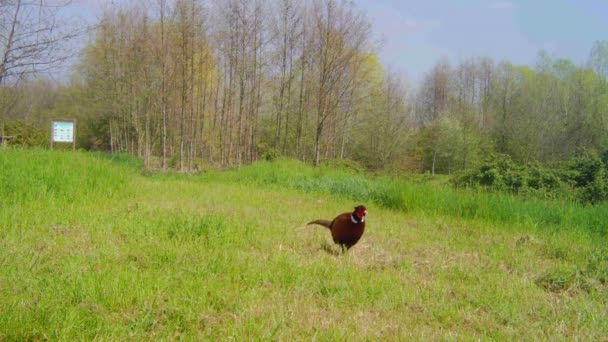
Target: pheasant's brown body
346, 229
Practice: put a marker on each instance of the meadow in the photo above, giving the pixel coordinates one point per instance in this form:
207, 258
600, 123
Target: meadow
92, 247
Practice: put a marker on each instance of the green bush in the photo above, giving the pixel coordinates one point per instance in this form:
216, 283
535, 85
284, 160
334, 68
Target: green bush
583, 178
500, 173
271, 154
587, 172
26, 135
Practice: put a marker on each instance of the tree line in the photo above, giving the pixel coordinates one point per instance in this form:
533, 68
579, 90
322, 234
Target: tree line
236, 81
187, 83
544, 113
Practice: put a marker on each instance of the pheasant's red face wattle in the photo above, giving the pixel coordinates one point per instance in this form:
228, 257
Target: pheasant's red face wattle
360, 211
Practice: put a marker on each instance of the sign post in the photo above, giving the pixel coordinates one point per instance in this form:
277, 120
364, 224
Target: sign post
63, 131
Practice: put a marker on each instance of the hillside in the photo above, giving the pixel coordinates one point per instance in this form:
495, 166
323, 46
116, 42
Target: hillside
91, 247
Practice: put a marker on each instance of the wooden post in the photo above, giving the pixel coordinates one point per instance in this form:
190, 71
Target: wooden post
74, 136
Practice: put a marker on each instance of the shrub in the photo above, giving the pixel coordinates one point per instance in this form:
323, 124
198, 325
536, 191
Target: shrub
588, 174
500, 173
26, 135
583, 178
271, 154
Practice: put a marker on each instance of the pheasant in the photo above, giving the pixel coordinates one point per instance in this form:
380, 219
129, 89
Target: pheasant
347, 228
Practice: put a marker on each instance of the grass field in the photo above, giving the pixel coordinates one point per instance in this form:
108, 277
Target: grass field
92, 248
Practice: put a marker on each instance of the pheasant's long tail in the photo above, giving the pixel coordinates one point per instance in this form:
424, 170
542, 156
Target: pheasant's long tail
324, 223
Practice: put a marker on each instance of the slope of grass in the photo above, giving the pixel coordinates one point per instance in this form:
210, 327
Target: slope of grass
420, 196
224, 255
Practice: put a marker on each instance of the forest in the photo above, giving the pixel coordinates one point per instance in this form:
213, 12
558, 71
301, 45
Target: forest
191, 84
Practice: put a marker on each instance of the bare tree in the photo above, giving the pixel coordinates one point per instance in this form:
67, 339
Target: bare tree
466, 96
33, 37
433, 97
340, 34
286, 31
485, 77
163, 80
598, 58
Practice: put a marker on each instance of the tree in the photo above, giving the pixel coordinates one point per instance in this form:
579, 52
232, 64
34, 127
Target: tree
379, 133
286, 32
439, 143
598, 58
504, 91
340, 34
432, 99
33, 37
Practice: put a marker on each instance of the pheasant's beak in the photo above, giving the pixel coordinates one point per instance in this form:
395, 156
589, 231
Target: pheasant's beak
365, 213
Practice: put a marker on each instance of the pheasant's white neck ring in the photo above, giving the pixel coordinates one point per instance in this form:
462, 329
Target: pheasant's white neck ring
354, 219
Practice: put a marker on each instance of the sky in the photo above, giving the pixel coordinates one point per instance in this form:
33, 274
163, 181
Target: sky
414, 34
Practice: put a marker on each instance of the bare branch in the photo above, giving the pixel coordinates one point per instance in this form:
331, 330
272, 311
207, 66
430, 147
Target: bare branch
33, 37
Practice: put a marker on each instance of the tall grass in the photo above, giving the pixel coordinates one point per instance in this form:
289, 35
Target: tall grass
39, 175
69, 177
412, 195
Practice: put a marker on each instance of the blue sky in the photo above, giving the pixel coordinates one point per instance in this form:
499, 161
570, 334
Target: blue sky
415, 34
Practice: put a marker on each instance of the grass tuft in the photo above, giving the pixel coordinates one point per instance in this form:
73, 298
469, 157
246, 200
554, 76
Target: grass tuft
563, 278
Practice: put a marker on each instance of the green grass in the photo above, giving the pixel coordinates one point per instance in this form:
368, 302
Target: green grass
91, 248
424, 195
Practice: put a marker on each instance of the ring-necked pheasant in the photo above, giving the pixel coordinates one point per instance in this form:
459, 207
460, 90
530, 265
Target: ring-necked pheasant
347, 228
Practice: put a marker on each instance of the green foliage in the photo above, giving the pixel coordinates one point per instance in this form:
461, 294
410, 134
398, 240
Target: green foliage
582, 178
587, 172
271, 154
26, 135
501, 173
440, 145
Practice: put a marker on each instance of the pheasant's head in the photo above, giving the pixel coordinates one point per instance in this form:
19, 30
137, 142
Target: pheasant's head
359, 213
